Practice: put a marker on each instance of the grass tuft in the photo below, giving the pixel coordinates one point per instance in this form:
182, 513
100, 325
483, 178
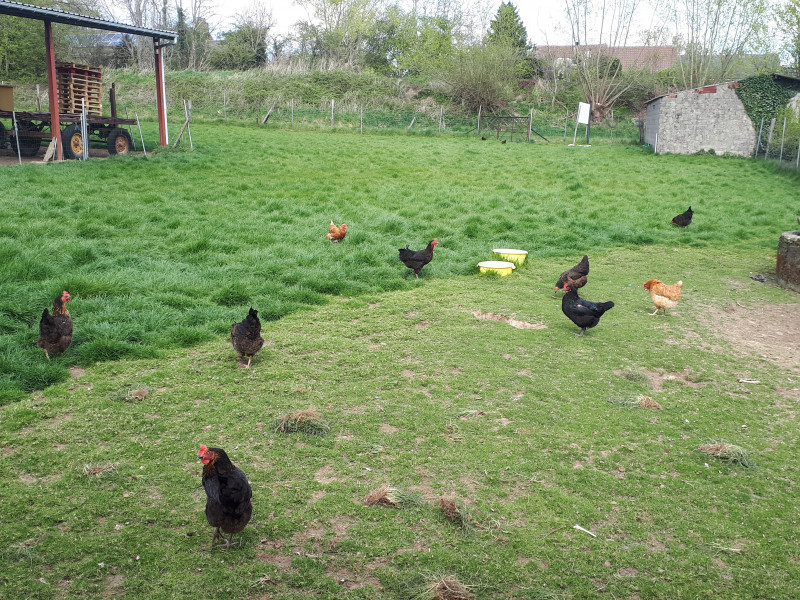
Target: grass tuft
302, 421
639, 401
727, 452
456, 512
133, 393
636, 375
443, 587
387, 495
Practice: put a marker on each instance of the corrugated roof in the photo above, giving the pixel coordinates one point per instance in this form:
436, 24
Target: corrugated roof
54, 15
653, 57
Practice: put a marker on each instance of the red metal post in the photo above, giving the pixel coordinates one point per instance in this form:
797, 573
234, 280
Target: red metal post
52, 87
160, 100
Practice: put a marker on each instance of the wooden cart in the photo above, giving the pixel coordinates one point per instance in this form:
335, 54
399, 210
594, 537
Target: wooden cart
33, 128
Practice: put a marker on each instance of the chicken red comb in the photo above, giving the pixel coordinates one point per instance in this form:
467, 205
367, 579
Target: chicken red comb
203, 449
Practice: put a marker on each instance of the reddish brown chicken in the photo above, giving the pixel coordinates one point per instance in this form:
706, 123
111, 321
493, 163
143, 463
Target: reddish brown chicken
576, 276
55, 331
229, 503
336, 234
416, 259
246, 336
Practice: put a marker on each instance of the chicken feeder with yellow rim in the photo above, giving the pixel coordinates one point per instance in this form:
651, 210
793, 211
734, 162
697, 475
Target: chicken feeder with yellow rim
500, 267
515, 256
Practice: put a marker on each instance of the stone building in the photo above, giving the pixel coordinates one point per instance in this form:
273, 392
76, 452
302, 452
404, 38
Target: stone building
706, 118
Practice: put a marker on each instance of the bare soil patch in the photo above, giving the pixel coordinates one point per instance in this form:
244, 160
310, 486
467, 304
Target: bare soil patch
503, 319
771, 331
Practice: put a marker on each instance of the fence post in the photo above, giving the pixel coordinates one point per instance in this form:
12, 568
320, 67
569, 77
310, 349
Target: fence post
758, 141
414, 120
333, 122
224, 106
480, 106
530, 125
362, 119
797, 164
441, 117
292, 112
783, 138
769, 137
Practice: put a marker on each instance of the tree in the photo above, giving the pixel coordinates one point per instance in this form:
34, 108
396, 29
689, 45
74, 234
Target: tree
788, 21
712, 34
597, 31
507, 28
246, 46
480, 75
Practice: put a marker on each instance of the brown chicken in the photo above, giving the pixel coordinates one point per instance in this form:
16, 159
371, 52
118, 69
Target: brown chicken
576, 276
246, 336
664, 296
229, 503
416, 259
336, 234
55, 331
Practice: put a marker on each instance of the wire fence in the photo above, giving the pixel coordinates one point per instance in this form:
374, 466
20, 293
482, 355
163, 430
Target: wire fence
536, 126
779, 140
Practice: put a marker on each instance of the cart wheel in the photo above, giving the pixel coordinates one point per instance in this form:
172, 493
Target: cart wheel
119, 141
72, 141
25, 144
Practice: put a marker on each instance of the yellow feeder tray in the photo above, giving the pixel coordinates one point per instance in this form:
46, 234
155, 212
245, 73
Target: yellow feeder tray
515, 256
500, 267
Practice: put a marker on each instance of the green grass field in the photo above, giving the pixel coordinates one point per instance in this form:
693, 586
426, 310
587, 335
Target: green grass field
424, 384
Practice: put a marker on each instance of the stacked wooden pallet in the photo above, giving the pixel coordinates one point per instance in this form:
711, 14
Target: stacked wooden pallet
78, 84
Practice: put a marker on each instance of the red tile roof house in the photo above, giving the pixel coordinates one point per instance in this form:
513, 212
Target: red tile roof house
706, 118
654, 58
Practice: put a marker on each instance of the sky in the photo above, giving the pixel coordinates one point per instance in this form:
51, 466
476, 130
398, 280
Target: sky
541, 18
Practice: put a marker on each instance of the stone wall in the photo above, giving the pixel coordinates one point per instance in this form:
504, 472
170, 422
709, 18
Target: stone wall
707, 118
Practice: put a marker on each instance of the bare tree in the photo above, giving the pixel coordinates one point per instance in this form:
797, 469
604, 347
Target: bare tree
597, 30
712, 34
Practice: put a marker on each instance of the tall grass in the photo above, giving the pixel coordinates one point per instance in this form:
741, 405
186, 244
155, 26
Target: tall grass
168, 251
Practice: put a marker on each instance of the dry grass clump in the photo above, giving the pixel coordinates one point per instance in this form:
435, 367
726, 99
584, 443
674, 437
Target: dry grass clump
394, 497
455, 512
132, 393
444, 587
96, 470
302, 421
636, 402
729, 452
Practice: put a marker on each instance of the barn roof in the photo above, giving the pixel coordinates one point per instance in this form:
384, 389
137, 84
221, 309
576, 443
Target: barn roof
55, 15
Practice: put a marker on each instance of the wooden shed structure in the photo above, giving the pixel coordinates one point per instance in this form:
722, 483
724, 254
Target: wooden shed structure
52, 15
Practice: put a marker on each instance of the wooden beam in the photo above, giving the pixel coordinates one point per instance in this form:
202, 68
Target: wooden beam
52, 88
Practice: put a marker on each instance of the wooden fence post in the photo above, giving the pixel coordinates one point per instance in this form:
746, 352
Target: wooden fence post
530, 125
333, 120
479, 118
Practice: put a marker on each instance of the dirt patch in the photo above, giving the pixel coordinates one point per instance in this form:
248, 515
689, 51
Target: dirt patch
325, 475
77, 372
503, 319
351, 580
771, 331
385, 428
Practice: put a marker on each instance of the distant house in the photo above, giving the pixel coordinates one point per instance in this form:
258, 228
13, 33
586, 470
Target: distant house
654, 58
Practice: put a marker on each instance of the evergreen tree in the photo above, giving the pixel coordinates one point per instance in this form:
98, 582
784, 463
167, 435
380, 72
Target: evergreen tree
507, 28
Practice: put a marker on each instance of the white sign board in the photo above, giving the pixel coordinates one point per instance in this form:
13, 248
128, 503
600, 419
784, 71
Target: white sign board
583, 113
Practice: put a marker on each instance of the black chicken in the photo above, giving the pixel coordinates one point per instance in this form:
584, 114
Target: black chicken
683, 219
576, 276
246, 336
55, 331
416, 259
228, 494
583, 313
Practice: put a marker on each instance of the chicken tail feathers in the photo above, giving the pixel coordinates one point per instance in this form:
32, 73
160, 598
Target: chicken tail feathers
604, 306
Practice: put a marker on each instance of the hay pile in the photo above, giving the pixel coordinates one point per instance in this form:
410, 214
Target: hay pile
455, 512
728, 452
445, 587
302, 421
387, 495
